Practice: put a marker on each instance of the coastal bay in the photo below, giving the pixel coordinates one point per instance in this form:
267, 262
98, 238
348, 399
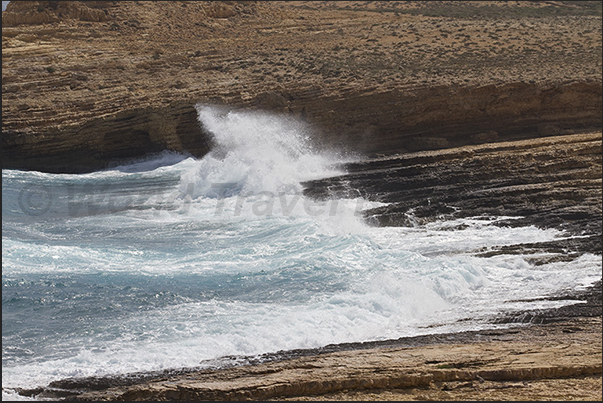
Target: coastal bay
471, 132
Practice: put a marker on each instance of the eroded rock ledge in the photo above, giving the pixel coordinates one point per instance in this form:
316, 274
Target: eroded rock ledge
550, 182
479, 361
380, 121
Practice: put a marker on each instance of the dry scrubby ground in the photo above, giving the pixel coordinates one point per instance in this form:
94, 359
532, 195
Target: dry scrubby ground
184, 52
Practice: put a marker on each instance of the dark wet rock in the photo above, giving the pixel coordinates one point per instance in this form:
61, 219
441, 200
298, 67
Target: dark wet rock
550, 182
588, 304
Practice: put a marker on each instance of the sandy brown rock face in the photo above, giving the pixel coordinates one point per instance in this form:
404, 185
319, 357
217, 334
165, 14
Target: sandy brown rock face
80, 92
536, 363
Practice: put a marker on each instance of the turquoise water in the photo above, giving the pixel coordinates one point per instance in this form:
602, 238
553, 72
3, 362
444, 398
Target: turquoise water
173, 261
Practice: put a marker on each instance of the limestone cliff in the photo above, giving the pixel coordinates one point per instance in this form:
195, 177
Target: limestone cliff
86, 84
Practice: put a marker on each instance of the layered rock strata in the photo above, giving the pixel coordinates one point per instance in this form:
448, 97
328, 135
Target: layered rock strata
550, 182
462, 366
87, 84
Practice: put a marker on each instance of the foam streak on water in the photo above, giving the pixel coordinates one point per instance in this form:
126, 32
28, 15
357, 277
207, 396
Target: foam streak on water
170, 261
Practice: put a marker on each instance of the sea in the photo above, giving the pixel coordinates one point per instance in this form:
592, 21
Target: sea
177, 262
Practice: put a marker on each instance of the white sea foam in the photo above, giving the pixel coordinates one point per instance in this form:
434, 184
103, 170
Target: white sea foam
255, 153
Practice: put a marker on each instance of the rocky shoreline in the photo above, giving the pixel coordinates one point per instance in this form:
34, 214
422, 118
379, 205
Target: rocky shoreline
244, 378
483, 109
548, 182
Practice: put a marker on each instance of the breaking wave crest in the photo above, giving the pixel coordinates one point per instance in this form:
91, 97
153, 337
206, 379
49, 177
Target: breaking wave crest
255, 152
